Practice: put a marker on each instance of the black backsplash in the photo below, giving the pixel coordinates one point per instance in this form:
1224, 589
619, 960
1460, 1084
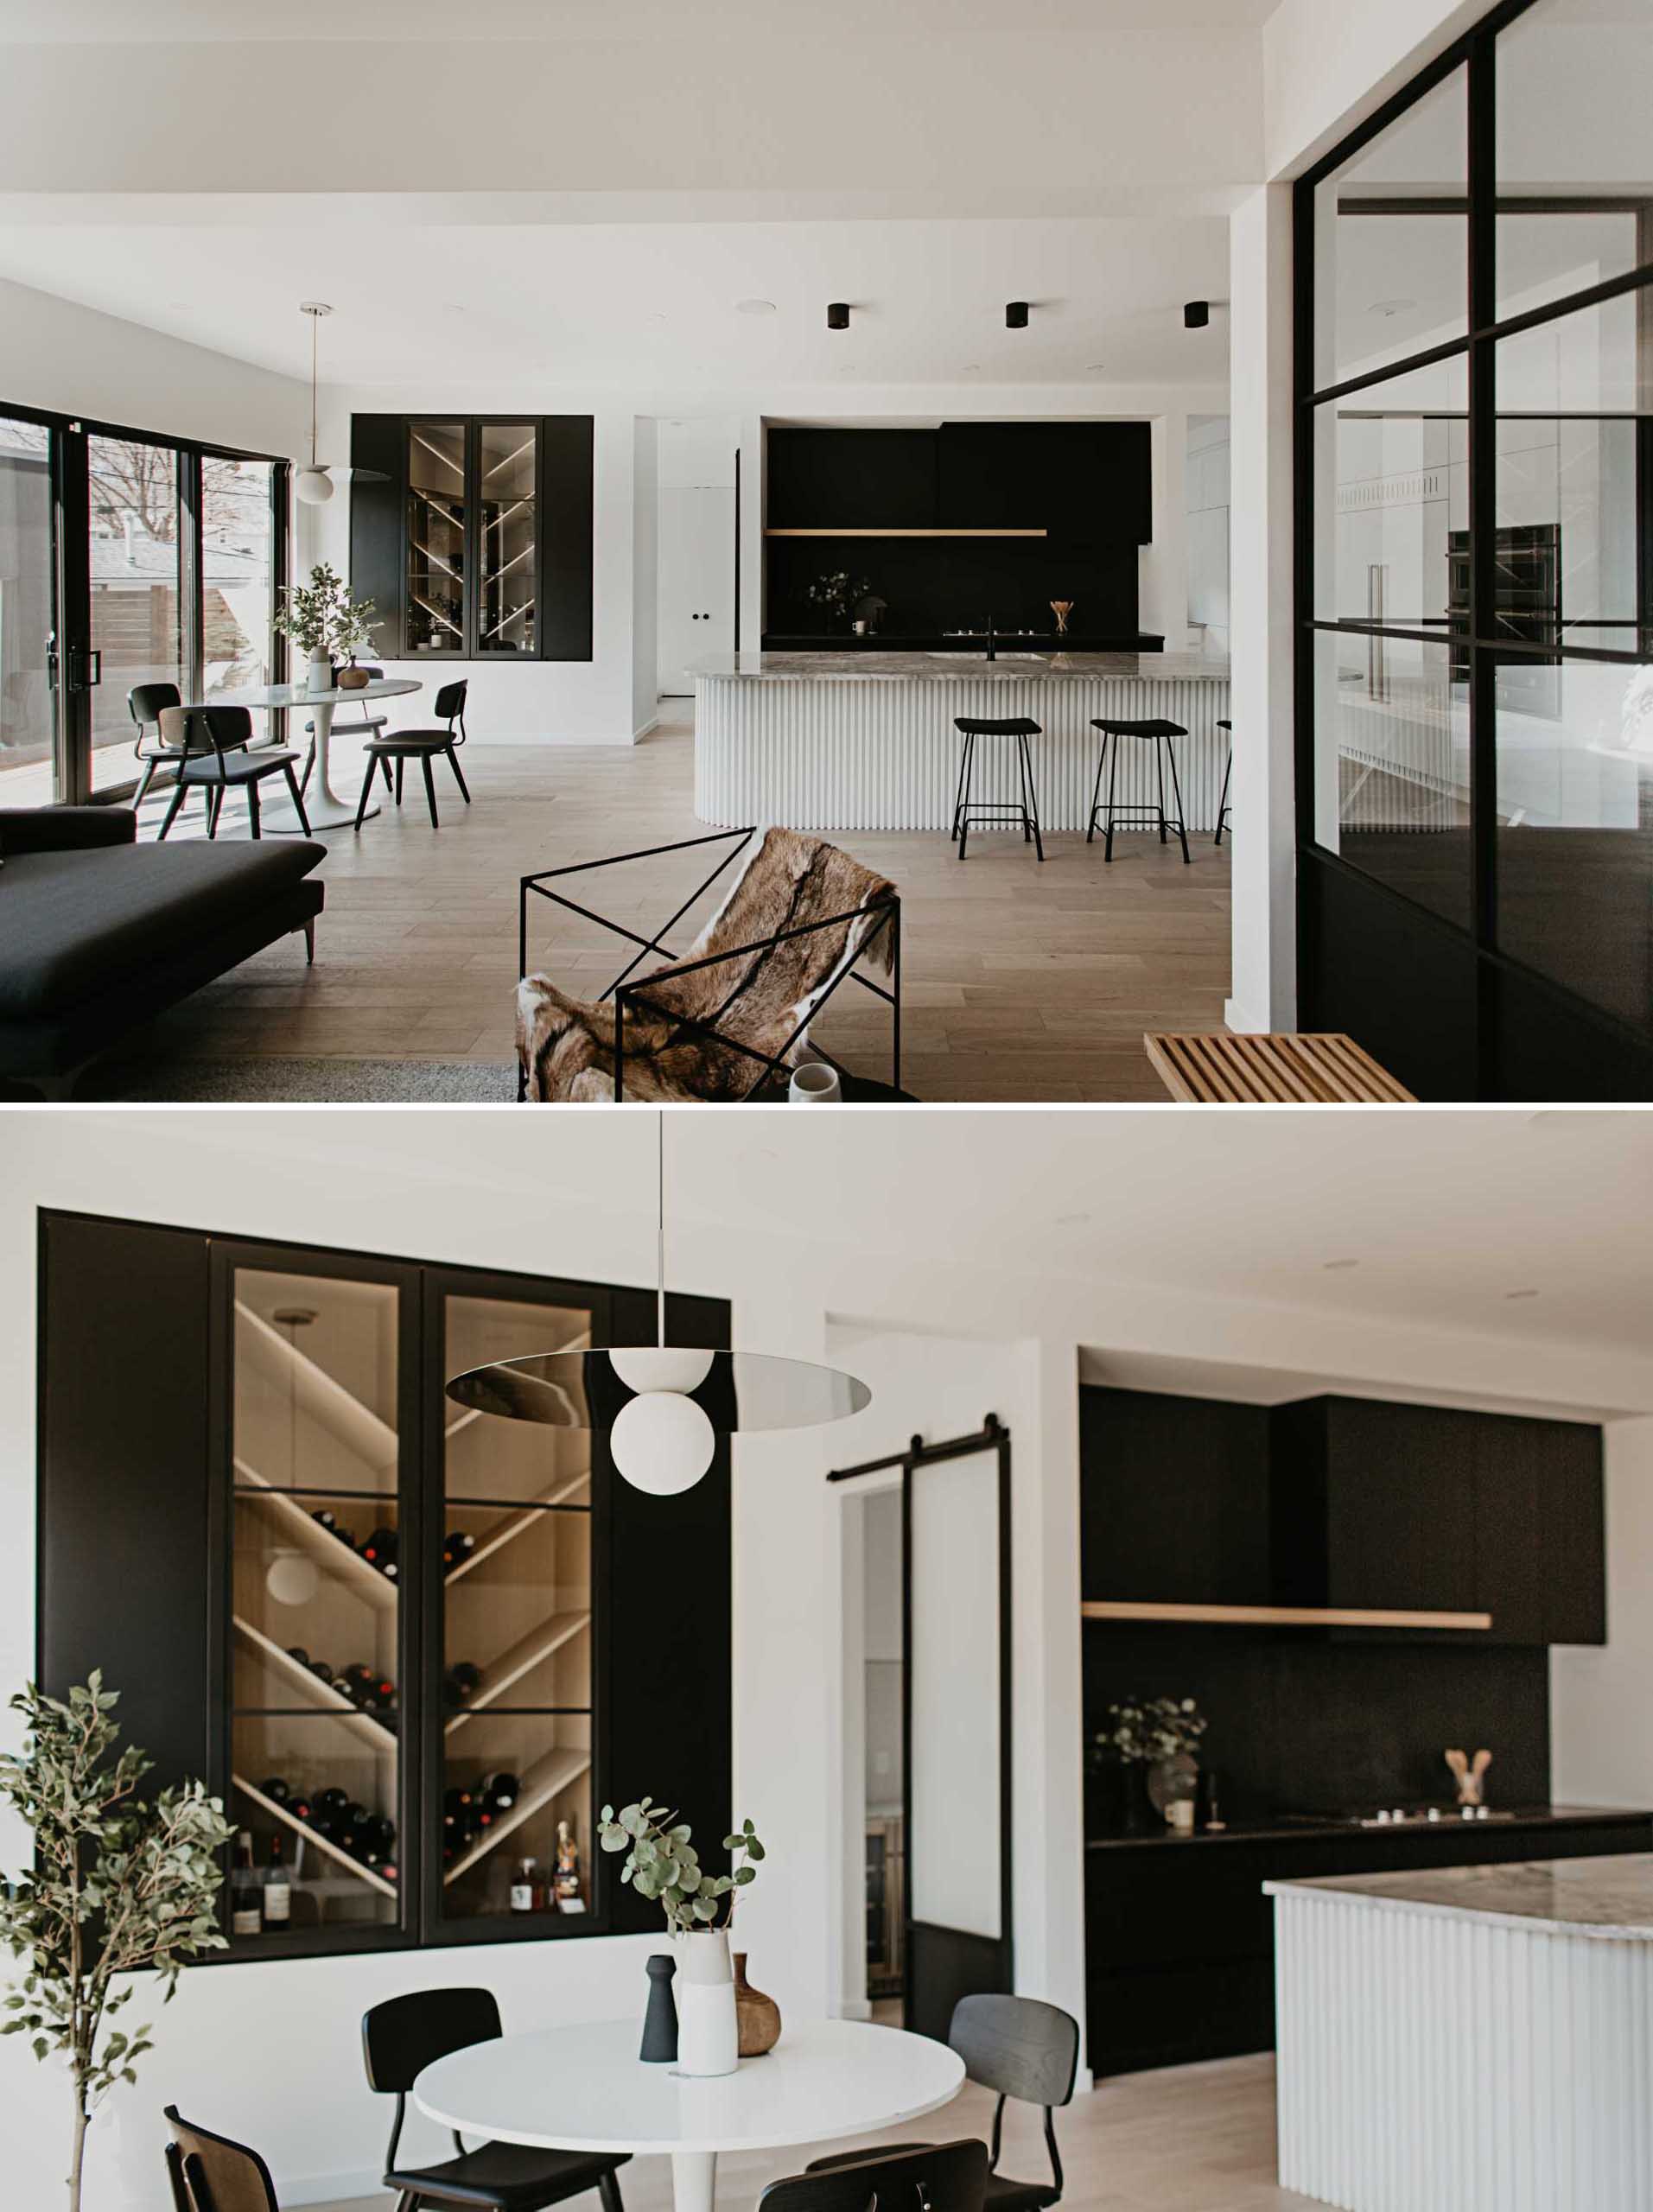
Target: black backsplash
934, 584
1303, 1723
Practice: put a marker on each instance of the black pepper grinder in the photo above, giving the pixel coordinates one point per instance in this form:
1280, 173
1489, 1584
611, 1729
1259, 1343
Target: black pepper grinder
660, 2020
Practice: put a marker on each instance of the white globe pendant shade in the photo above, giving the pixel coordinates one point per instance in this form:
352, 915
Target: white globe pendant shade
662, 1442
313, 486
292, 1579
660, 1367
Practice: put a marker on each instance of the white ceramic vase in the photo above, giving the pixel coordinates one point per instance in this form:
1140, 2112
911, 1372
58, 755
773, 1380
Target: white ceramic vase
709, 2036
321, 679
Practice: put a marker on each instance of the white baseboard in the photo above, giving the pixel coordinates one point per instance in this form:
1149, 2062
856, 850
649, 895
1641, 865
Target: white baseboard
546, 737
1084, 2082
1236, 1018
333, 2189
643, 728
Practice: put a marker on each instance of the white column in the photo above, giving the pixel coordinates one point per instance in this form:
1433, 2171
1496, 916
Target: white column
1264, 983
753, 463
1163, 606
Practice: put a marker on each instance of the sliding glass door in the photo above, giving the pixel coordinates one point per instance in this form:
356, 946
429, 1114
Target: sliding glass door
27, 616
124, 560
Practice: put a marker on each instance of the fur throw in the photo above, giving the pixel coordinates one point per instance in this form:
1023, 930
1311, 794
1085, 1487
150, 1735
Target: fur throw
758, 997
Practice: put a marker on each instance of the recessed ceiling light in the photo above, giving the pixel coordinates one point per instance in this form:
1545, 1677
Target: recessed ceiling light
971, 368
1390, 307
1330, 1264
755, 307
1071, 1220
1094, 368
1521, 1293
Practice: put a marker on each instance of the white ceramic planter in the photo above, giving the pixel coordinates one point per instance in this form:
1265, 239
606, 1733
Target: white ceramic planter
709, 2039
321, 677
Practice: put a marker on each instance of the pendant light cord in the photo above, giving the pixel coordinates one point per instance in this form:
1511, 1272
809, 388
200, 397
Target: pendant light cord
660, 1250
316, 340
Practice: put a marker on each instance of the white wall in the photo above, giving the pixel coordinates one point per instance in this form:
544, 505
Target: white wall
1601, 1719
1206, 503
74, 361
645, 572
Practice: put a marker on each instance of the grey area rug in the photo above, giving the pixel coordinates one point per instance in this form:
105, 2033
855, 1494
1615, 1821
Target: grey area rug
262, 1078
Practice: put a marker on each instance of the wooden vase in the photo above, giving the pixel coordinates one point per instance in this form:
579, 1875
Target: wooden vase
758, 2016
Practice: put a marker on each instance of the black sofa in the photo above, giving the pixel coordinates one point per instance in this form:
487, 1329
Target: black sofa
98, 933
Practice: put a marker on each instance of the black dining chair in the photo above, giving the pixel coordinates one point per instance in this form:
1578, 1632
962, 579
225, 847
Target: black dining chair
209, 2173
404, 2034
1019, 2048
906, 2178
210, 745
146, 703
423, 745
363, 721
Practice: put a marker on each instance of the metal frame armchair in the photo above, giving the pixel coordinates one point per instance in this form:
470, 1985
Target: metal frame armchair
641, 998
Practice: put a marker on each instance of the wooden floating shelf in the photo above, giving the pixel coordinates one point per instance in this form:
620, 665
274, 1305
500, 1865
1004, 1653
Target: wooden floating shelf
336, 1559
562, 1492
1124, 1609
539, 1785
521, 1659
323, 1844
339, 1412
314, 1690
906, 533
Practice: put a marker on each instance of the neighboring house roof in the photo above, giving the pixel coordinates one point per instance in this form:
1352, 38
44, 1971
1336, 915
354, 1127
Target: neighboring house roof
136, 561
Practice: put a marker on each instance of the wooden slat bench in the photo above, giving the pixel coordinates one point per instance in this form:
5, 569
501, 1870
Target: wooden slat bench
1286, 1069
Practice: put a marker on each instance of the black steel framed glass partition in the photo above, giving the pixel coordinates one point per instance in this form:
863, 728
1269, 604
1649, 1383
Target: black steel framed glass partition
125, 558
1474, 346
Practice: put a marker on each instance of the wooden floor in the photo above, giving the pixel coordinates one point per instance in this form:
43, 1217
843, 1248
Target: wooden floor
1188, 2139
1022, 981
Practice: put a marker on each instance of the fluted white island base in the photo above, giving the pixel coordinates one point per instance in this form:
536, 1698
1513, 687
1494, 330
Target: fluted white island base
1470, 2039
865, 740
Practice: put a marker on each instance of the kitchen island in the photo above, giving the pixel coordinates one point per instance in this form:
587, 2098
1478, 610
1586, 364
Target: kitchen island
1469, 2038
865, 740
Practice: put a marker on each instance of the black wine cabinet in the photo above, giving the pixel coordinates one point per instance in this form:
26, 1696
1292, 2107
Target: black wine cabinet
387, 1631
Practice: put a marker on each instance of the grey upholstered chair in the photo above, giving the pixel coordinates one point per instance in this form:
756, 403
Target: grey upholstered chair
1019, 2048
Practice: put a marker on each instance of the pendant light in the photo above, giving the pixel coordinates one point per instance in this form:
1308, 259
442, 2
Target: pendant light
663, 1406
314, 485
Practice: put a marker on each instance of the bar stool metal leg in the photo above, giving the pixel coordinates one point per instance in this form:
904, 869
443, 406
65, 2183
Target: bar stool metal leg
1176, 786
1096, 791
965, 810
1222, 803
1031, 794
1113, 772
1159, 771
958, 795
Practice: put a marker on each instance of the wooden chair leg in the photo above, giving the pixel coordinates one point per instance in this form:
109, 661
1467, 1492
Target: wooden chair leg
297, 791
309, 942
252, 809
453, 762
385, 766
309, 763
398, 779
143, 783
430, 789
171, 815
608, 2190
367, 787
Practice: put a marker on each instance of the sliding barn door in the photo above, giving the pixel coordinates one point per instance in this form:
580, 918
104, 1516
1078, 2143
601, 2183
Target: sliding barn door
957, 1605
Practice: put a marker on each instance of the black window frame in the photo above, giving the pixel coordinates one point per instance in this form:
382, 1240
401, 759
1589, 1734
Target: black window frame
67, 457
1499, 977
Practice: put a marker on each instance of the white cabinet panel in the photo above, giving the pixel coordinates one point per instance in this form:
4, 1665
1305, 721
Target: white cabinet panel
696, 582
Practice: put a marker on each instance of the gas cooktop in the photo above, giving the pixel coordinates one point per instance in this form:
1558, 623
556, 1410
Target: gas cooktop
1418, 1816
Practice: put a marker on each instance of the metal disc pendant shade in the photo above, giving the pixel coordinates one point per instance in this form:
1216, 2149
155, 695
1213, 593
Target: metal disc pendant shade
663, 1406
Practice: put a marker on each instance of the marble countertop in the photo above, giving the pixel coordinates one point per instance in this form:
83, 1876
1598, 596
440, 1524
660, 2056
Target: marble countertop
1608, 1897
865, 667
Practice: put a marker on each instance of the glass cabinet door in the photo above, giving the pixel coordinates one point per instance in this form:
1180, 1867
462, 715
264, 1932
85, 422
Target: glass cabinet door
314, 1632
436, 514
514, 1668
506, 475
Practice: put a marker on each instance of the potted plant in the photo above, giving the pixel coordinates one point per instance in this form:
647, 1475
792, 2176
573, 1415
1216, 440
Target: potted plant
1157, 1736
323, 618
662, 1863
120, 1887
352, 628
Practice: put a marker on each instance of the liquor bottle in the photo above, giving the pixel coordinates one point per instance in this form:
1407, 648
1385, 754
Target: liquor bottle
500, 1792
246, 1904
379, 1551
526, 1886
566, 1884
277, 1890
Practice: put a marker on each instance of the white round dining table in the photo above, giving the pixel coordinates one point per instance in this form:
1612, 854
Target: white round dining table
323, 807
585, 2088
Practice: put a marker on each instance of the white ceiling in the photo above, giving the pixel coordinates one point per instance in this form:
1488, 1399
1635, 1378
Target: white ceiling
654, 304
1445, 1213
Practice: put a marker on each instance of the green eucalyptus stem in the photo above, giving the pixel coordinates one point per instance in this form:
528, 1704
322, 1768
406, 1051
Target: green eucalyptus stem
663, 1865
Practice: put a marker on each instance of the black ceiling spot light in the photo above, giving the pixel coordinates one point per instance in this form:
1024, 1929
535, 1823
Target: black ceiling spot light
1196, 314
1015, 314
838, 315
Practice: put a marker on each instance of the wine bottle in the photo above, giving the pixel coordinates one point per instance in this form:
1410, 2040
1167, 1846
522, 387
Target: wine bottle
380, 1550
246, 1904
461, 1683
456, 1547
324, 1519
276, 1788
277, 1890
298, 1655
500, 1792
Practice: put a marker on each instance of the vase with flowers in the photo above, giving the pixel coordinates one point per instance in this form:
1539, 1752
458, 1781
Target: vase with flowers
325, 620
837, 593
1153, 1742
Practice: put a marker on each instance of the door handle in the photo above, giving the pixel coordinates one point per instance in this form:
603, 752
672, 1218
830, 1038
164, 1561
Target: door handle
91, 664
53, 670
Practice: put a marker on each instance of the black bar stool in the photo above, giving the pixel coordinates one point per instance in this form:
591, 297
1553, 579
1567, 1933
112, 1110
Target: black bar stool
966, 809
1156, 733
1228, 770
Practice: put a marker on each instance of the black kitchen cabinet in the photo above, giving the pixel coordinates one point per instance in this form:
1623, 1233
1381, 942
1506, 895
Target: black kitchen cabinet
1541, 1532
1179, 1933
851, 479
1176, 1499
1087, 483
306, 1571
